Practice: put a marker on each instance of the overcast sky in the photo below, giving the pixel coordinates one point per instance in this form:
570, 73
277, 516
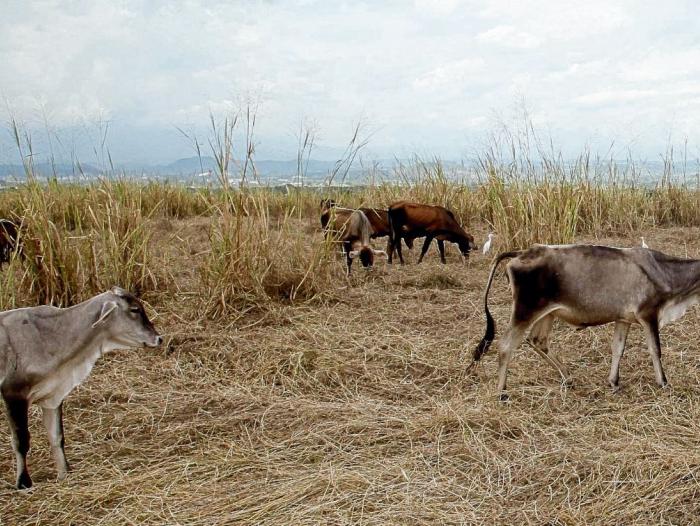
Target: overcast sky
430, 76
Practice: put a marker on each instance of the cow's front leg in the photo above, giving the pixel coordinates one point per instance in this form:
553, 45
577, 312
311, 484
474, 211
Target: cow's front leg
651, 328
426, 246
17, 415
53, 422
441, 249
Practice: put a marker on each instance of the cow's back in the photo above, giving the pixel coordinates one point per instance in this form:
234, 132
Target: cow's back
337, 220
425, 217
379, 220
592, 284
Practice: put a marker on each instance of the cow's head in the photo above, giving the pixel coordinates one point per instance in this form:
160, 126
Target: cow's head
124, 319
366, 255
467, 244
327, 204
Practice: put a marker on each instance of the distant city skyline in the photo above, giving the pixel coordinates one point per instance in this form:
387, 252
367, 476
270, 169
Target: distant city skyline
432, 78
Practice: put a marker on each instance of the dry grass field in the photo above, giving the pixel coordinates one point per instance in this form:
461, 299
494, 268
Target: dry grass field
353, 407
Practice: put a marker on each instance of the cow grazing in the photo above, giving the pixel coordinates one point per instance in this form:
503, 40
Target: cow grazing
354, 230
9, 238
378, 218
412, 220
46, 351
587, 285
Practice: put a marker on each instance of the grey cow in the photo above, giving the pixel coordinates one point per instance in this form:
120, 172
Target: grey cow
46, 351
354, 230
588, 285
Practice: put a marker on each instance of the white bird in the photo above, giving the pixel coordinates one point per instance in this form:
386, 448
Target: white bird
644, 245
487, 245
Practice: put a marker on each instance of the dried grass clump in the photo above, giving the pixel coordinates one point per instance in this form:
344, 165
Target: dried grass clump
255, 259
68, 256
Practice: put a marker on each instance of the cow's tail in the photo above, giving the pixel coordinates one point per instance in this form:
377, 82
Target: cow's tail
490, 334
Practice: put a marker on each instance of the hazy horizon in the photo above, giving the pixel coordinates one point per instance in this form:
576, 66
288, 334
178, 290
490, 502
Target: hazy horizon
432, 78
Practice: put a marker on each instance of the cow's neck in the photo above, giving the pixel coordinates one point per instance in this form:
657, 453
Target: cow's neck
685, 277
70, 331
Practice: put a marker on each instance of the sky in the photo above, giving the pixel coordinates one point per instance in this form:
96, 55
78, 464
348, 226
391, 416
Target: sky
425, 77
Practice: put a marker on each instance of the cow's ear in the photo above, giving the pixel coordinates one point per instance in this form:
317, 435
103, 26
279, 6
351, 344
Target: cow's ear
107, 309
118, 291
353, 254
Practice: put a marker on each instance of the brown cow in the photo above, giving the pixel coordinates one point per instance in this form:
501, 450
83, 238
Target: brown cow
589, 285
353, 229
8, 240
378, 218
412, 220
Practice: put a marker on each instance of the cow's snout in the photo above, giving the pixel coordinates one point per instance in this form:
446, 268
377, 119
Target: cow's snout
155, 342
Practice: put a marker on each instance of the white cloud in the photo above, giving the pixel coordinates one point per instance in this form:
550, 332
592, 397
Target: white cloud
455, 73
613, 97
427, 73
661, 65
562, 19
509, 36
437, 7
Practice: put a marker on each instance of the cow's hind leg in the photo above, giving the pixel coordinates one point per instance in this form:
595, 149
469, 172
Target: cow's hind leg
397, 247
53, 422
512, 339
17, 415
539, 341
618, 348
651, 329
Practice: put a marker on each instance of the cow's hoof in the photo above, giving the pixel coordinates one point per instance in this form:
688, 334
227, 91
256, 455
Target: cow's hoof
24, 481
615, 386
503, 397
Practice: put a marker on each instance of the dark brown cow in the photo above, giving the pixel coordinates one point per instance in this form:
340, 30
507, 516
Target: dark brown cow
8, 239
378, 218
412, 220
587, 285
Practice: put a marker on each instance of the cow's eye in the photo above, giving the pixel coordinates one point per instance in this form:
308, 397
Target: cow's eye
135, 311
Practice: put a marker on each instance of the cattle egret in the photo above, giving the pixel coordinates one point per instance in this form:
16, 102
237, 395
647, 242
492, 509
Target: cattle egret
487, 245
644, 245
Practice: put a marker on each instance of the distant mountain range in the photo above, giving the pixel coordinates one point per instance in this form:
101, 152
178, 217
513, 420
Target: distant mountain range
194, 169
182, 168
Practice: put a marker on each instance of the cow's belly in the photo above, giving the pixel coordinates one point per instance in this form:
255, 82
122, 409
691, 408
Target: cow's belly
586, 317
